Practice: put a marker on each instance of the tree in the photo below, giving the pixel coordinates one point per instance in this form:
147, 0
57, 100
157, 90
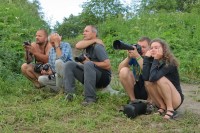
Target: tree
96, 11
168, 5
70, 27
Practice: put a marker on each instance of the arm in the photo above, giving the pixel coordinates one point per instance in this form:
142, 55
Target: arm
157, 71
146, 68
131, 54
124, 63
66, 52
104, 64
85, 43
38, 54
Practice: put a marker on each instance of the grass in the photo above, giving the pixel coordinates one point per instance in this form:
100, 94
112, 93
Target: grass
26, 109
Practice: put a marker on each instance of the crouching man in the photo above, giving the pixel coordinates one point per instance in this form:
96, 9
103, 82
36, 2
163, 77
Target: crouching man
93, 71
52, 73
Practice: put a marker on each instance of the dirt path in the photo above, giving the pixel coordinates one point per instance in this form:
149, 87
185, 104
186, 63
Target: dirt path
192, 98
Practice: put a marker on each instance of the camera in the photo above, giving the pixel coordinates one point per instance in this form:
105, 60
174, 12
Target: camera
27, 43
45, 67
39, 67
117, 44
81, 57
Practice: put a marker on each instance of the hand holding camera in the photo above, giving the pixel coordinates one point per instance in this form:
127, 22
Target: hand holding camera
28, 55
83, 57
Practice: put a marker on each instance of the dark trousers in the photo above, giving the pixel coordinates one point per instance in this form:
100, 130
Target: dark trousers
88, 74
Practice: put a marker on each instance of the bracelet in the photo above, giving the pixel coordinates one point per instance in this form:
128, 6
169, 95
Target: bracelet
137, 59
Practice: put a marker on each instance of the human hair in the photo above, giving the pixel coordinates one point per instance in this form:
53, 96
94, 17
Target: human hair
45, 32
168, 56
94, 29
144, 38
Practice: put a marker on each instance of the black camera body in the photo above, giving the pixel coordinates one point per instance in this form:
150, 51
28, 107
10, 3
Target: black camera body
27, 43
39, 67
45, 67
117, 44
81, 57
134, 109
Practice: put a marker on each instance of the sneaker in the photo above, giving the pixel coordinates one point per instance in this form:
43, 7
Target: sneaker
69, 97
88, 102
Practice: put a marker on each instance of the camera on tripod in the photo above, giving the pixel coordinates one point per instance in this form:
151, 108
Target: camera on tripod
117, 44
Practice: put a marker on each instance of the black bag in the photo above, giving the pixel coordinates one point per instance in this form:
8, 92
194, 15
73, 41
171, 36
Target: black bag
134, 109
38, 67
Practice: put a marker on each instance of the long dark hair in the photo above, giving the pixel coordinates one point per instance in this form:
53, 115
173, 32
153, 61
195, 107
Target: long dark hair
168, 56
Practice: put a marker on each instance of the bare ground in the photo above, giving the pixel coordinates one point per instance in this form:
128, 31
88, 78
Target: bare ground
192, 98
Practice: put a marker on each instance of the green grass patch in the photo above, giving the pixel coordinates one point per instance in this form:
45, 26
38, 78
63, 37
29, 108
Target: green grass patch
32, 110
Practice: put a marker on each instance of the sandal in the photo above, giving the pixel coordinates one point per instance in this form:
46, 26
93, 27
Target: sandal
160, 111
170, 114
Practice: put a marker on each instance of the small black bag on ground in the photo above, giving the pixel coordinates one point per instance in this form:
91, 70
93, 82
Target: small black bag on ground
134, 109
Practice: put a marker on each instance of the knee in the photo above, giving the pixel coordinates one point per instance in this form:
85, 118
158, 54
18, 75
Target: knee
162, 81
124, 72
24, 67
69, 64
88, 65
58, 65
148, 85
27, 68
42, 79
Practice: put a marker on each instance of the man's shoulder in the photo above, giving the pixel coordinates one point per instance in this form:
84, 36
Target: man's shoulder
98, 46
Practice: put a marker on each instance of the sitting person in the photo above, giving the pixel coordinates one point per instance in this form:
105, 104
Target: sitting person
132, 80
94, 71
160, 72
38, 50
59, 54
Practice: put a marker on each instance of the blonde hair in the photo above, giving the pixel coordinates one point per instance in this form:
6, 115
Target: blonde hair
168, 56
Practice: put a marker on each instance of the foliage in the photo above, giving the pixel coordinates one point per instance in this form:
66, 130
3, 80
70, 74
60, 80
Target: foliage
180, 30
25, 109
103, 9
168, 5
19, 21
70, 28
94, 12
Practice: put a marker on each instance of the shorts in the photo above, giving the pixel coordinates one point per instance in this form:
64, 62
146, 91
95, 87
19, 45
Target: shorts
139, 89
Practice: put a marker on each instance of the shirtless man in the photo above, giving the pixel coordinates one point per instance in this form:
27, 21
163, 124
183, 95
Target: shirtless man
39, 50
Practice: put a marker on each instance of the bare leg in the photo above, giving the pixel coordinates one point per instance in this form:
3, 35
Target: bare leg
28, 72
127, 79
156, 98
170, 95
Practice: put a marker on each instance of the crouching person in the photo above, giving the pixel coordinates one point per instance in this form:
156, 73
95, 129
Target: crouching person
93, 71
160, 72
59, 54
